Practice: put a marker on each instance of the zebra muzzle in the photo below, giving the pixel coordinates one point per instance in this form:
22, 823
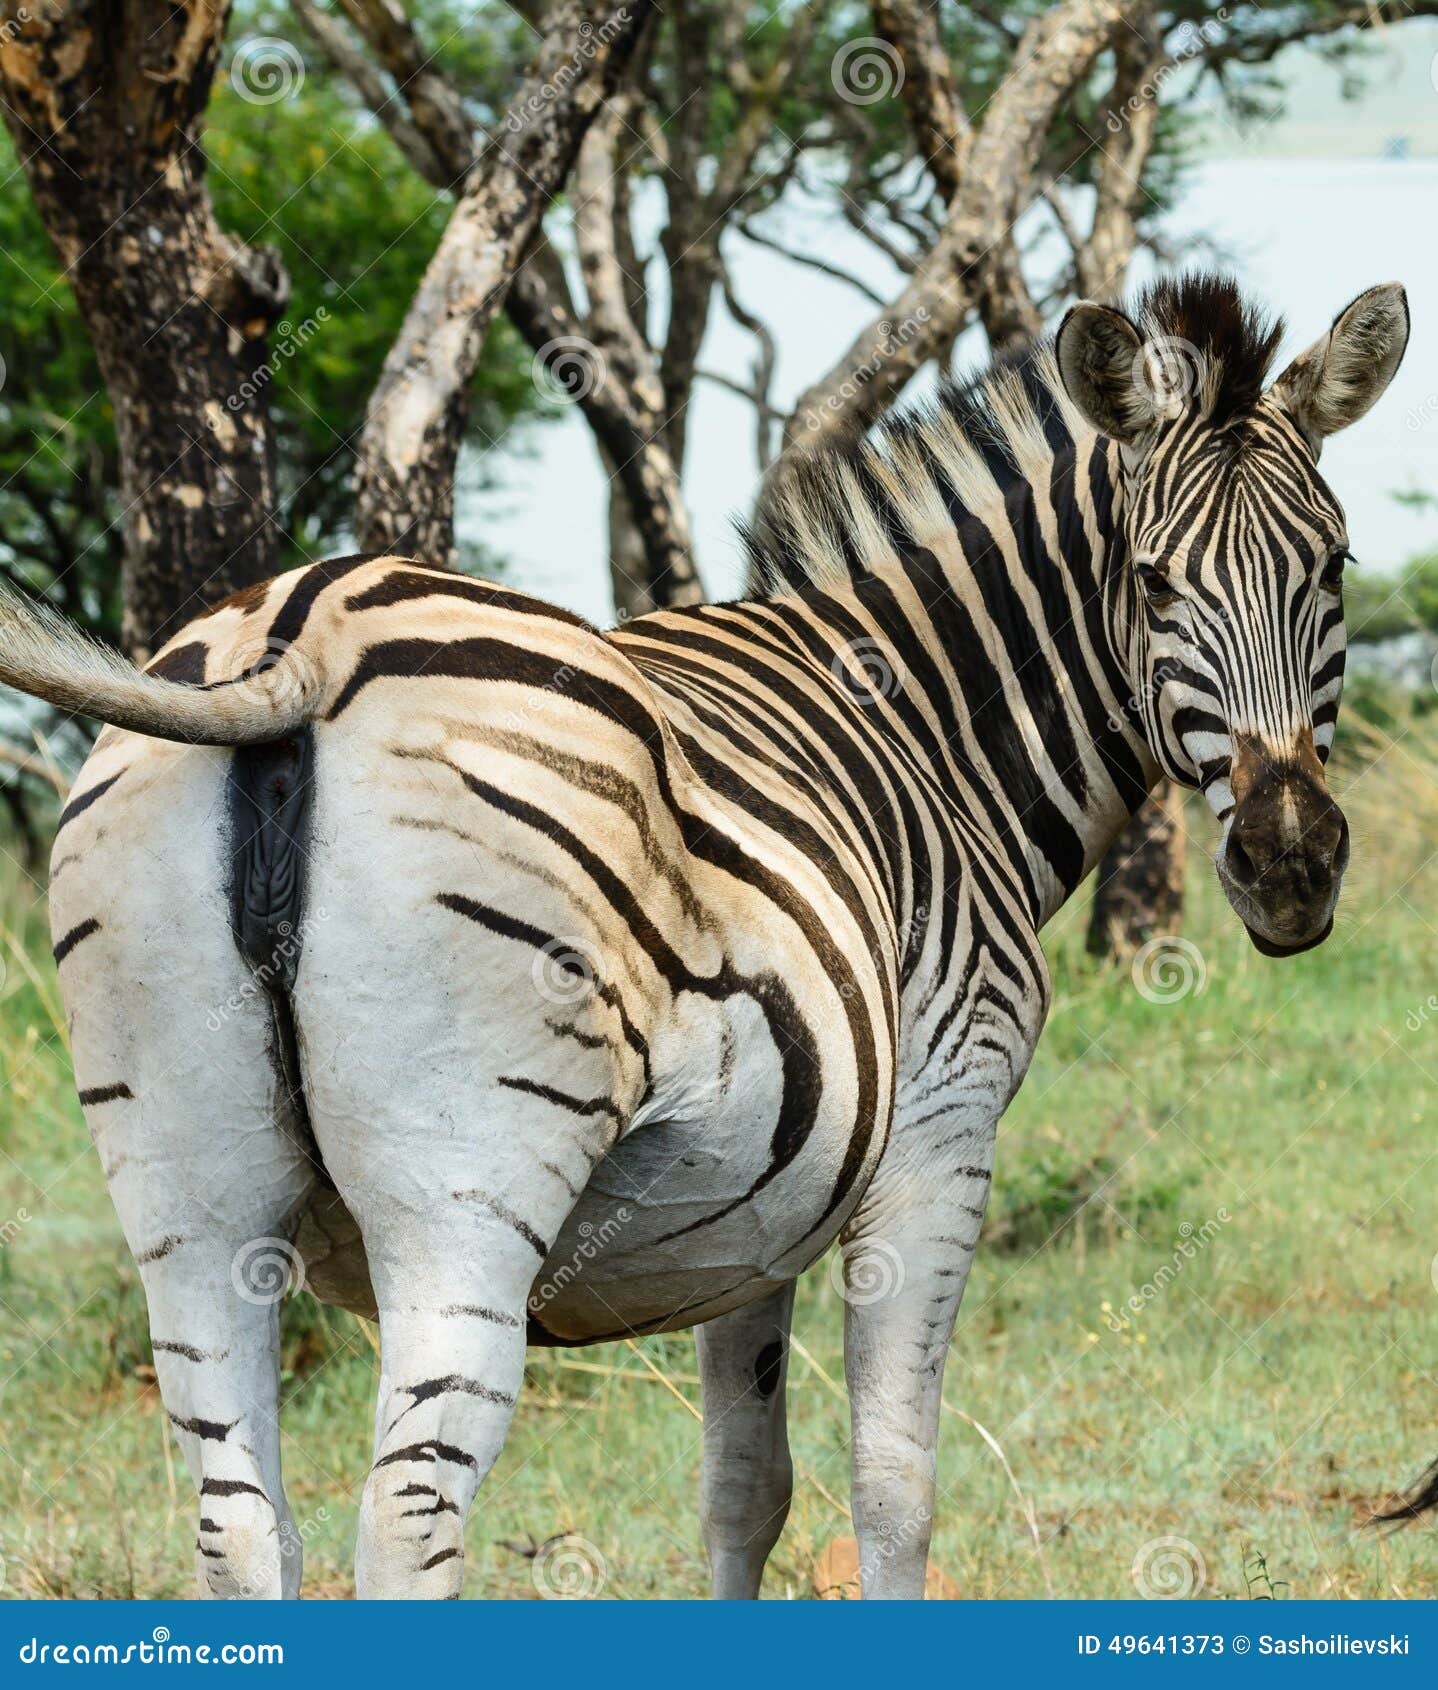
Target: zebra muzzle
1285, 848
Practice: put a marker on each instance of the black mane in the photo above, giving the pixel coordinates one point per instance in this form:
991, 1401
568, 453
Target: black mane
1236, 339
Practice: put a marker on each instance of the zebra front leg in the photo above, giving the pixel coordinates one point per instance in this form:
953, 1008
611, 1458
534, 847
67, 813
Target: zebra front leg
906, 1261
747, 1478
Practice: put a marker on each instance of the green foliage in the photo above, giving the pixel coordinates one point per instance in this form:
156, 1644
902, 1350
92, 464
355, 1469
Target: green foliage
58, 506
1379, 607
313, 177
355, 227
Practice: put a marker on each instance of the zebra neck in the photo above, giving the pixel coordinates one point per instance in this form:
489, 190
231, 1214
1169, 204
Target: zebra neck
1009, 629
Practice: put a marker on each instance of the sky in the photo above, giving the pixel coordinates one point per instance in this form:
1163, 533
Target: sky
1329, 199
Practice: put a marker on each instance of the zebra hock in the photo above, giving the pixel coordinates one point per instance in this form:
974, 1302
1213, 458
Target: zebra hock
607, 979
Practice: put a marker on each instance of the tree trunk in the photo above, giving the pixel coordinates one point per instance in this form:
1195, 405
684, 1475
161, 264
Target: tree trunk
404, 480
628, 565
1138, 889
105, 100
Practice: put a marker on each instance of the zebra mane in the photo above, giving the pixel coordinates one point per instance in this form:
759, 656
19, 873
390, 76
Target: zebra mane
1206, 322
827, 515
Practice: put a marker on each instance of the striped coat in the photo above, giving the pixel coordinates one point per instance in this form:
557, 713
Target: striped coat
519, 981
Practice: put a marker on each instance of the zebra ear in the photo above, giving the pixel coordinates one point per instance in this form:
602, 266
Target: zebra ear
1344, 372
1101, 363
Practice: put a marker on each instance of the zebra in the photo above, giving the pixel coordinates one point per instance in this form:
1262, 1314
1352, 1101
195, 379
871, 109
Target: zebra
525, 983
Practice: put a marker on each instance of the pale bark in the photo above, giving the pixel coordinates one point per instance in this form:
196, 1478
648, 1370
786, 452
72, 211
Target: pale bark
1128, 130
1054, 54
105, 100
651, 552
404, 493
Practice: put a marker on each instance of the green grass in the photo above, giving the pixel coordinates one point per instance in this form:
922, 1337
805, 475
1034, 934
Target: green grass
1272, 1392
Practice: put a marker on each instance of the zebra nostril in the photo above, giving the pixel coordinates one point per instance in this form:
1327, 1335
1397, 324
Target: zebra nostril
1339, 860
1241, 867
1333, 847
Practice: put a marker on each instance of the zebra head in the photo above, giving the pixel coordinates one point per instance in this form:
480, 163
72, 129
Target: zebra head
1227, 606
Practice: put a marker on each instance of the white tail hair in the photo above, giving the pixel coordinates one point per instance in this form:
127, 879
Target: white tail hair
44, 655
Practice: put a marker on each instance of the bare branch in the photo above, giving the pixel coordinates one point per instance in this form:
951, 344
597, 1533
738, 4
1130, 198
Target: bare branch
637, 454
410, 441
810, 262
339, 48
610, 324
930, 96
1055, 54
766, 357
437, 109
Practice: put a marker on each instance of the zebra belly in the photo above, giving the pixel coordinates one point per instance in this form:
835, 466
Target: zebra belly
667, 1234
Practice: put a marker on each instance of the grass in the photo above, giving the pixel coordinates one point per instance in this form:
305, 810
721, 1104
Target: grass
1259, 1154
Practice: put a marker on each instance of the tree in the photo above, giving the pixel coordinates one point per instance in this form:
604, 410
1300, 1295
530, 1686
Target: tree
354, 228
937, 131
104, 103
694, 121
410, 442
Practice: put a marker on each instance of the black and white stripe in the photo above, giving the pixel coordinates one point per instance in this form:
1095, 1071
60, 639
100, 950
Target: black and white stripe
569, 984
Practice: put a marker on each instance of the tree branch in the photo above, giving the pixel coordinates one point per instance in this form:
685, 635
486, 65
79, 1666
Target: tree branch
410, 441
1053, 57
811, 262
335, 42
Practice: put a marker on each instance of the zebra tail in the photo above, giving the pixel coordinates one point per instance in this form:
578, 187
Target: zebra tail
48, 657
1422, 1497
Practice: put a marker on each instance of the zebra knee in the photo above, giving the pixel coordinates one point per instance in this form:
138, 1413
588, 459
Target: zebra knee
411, 1540
246, 1548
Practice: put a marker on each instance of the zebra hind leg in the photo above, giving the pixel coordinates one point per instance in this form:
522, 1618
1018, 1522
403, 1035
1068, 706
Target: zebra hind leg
457, 1226
208, 1187
174, 1053
748, 1478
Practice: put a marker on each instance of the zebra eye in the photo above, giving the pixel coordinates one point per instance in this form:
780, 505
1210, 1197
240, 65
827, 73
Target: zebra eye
1157, 588
1331, 580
